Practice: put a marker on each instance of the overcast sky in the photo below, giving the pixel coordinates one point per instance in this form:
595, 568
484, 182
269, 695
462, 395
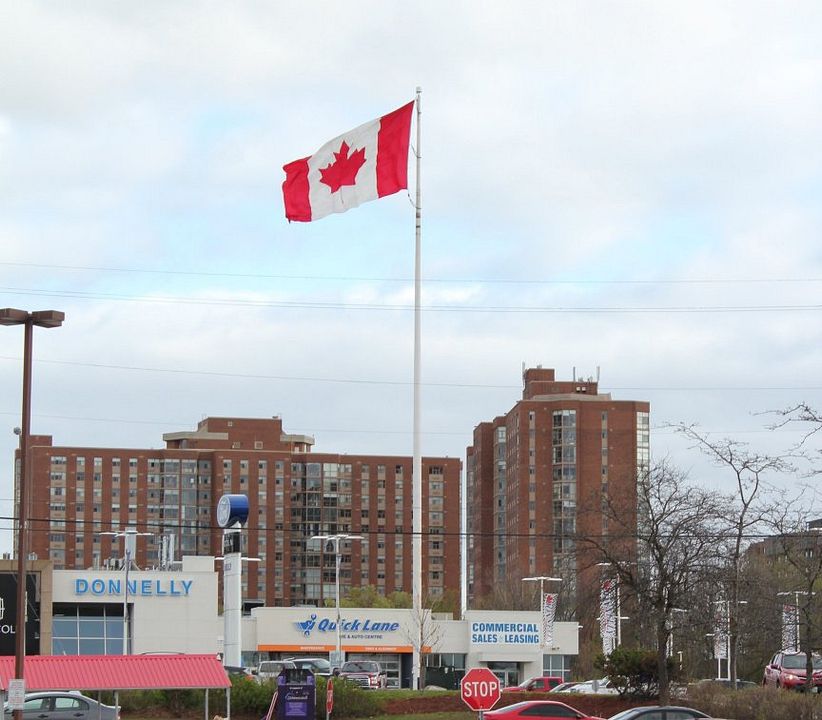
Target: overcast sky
630, 189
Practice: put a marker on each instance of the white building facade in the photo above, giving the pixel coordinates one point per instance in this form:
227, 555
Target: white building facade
509, 643
176, 611
169, 611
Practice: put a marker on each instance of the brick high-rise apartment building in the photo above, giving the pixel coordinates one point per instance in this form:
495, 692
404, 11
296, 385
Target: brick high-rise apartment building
539, 474
294, 493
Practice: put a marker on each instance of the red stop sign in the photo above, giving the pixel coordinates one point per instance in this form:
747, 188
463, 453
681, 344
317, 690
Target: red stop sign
480, 689
329, 696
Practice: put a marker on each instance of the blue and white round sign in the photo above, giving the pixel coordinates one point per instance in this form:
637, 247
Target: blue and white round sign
231, 510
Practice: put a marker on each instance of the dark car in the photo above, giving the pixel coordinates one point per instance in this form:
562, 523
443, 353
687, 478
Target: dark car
63, 706
238, 672
659, 712
545, 709
787, 670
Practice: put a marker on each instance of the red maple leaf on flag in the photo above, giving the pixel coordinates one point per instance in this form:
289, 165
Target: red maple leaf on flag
344, 169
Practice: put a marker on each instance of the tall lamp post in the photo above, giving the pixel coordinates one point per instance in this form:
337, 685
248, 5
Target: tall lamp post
542, 579
336, 539
45, 319
129, 536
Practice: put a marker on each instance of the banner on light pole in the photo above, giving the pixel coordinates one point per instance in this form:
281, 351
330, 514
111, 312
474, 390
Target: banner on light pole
790, 625
720, 633
549, 612
607, 615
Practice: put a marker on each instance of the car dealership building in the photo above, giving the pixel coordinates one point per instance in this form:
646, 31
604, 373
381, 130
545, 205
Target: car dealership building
81, 612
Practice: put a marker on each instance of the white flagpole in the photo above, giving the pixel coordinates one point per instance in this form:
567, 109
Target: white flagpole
416, 480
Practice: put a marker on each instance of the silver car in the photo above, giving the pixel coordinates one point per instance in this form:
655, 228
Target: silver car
63, 706
268, 670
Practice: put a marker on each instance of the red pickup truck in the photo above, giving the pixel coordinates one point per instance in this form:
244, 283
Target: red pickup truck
367, 674
537, 684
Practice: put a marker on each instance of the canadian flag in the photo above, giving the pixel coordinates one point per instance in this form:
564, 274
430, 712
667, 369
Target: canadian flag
363, 164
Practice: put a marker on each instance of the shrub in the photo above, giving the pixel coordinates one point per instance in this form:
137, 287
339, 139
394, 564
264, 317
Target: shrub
763, 703
350, 700
249, 697
634, 672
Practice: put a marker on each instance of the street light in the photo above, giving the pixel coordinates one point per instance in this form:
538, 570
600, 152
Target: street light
129, 536
336, 539
45, 319
670, 652
542, 579
725, 631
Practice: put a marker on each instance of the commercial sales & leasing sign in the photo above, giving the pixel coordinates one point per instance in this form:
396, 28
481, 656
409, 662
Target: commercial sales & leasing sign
504, 633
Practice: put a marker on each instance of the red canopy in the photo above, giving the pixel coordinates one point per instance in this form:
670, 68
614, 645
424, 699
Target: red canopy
117, 672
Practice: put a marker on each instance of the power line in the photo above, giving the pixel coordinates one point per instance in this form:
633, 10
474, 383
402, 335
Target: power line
408, 383
461, 309
200, 527
362, 278
656, 430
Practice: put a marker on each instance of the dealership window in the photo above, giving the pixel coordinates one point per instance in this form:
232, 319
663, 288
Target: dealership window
455, 661
557, 666
87, 629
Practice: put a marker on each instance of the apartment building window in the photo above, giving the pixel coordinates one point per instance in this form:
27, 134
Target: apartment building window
564, 495
643, 441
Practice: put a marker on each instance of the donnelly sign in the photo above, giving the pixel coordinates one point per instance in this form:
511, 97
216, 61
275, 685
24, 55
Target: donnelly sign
150, 588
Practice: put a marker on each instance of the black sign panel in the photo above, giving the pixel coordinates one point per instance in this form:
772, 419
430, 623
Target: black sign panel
8, 613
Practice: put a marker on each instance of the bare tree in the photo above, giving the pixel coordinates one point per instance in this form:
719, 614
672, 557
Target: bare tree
507, 596
751, 505
658, 550
810, 419
424, 634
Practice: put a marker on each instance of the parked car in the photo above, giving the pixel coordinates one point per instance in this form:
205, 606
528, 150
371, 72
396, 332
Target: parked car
659, 712
545, 709
236, 671
537, 684
595, 687
319, 666
268, 670
365, 673
63, 706
564, 687
787, 670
